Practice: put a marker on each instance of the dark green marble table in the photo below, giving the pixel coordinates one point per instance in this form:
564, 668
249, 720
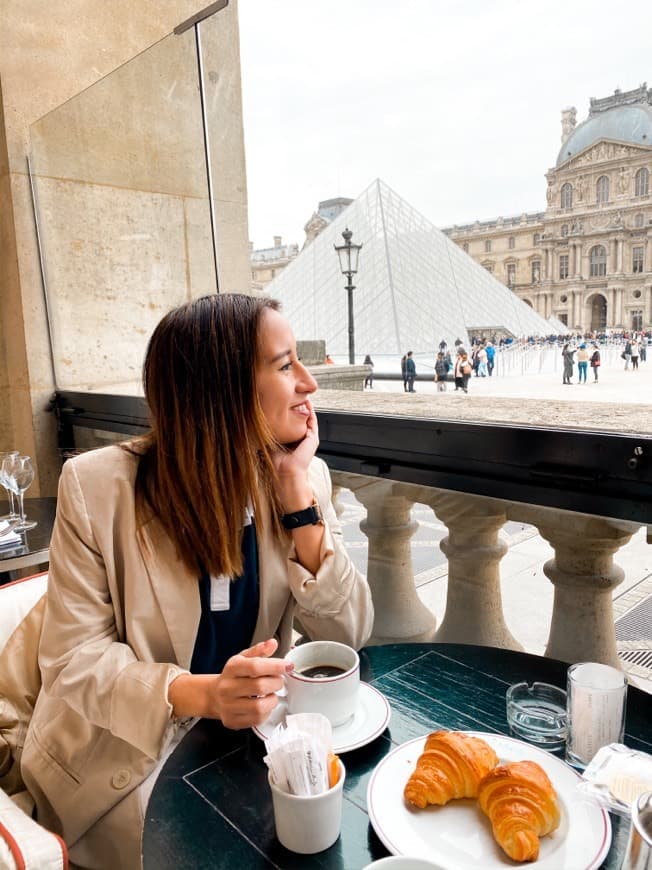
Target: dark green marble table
211, 806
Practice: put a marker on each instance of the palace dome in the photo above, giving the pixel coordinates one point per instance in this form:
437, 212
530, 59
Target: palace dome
628, 123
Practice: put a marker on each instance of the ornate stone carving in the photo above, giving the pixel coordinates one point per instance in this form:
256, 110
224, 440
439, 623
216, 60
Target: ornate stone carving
623, 180
568, 122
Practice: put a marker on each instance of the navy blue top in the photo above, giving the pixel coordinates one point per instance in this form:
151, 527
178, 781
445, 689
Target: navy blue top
223, 633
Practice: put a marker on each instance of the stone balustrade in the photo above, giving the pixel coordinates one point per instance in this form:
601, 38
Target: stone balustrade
582, 571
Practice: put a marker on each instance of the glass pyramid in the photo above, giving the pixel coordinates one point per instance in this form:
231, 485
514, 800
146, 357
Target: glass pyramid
414, 286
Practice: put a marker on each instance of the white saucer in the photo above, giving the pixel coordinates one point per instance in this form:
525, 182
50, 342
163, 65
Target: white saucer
369, 720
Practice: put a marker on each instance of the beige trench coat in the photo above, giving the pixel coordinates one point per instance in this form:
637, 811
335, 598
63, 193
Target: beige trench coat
121, 620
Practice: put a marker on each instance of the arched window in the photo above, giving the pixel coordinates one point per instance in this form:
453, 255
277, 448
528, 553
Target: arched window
639, 220
567, 195
598, 261
602, 189
564, 230
511, 242
642, 182
487, 246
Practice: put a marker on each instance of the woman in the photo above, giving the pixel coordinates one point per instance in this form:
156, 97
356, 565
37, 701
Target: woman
482, 361
634, 351
173, 580
369, 377
462, 371
582, 363
441, 372
595, 362
567, 355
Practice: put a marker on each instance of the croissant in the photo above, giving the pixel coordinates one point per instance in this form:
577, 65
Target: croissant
451, 766
522, 806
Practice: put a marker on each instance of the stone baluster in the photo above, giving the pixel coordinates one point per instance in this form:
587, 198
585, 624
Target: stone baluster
335, 498
400, 615
474, 612
584, 575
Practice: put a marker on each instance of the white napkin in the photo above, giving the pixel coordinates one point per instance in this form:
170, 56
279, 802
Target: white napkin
10, 537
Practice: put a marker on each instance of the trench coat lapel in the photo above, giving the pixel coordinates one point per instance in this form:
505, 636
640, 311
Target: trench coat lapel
176, 590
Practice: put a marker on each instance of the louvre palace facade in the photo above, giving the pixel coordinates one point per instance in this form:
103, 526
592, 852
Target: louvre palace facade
586, 259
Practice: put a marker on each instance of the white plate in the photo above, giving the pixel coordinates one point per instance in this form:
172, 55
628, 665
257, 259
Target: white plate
370, 720
458, 835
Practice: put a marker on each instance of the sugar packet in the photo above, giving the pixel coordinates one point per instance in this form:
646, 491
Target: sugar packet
299, 753
616, 776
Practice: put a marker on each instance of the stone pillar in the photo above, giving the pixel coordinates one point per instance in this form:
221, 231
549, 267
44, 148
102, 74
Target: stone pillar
578, 260
584, 574
620, 244
400, 616
611, 307
577, 295
474, 612
335, 498
612, 265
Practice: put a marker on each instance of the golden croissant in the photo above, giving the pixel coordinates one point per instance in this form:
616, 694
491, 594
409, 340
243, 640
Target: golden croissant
451, 766
522, 806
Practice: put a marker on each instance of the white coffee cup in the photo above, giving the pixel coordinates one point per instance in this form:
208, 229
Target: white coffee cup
311, 823
334, 690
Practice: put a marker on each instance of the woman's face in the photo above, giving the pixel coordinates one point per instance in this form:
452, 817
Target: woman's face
284, 384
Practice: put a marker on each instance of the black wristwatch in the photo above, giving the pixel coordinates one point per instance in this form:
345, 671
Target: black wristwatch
310, 516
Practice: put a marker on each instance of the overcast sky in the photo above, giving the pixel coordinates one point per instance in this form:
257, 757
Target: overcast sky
456, 105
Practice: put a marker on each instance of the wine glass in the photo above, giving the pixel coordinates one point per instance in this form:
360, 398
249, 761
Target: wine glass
12, 517
19, 474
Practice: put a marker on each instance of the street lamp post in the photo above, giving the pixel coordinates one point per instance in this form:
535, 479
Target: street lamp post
348, 254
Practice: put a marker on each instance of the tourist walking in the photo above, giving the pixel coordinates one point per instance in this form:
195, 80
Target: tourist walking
441, 372
627, 353
595, 363
462, 371
567, 355
634, 353
369, 377
582, 363
482, 361
491, 356
410, 372
404, 371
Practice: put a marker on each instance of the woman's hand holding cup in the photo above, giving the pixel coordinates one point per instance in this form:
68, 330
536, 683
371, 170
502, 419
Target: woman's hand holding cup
244, 694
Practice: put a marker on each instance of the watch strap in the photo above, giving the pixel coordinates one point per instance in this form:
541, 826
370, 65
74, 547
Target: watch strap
310, 516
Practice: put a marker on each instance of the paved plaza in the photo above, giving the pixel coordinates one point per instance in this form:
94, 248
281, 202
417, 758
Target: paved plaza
527, 592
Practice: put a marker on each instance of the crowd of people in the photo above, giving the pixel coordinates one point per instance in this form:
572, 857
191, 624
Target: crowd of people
459, 365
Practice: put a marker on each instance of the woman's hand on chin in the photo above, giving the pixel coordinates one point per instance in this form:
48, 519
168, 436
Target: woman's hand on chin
292, 465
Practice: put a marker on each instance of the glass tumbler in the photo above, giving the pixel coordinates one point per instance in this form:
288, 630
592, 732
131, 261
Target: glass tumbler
596, 710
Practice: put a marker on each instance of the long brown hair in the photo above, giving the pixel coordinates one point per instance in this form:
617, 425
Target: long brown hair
209, 449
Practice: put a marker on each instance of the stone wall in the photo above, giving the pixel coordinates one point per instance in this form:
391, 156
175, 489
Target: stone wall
101, 314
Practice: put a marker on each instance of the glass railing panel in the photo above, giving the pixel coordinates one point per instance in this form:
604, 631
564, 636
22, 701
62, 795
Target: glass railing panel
120, 183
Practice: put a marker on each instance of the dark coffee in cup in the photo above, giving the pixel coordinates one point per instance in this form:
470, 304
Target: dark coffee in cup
315, 672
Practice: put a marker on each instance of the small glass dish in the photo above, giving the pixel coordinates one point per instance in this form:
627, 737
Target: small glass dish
537, 713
